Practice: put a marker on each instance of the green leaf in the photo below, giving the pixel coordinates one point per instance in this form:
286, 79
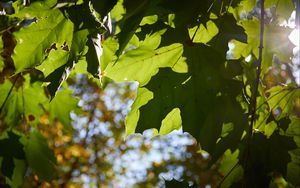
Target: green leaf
60, 74
270, 128
226, 129
39, 157
230, 168
171, 122
204, 34
284, 8
56, 111
142, 63
93, 55
12, 109
293, 173
4, 87
135, 13
149, 20
271, 156
2, 65
281, 47
164, 87
294, 130
22, 102
227, 32
240, 50
34, 97
11, 148
293, 168
202, 90
244, 7
143, 96
55, 59
186, 14
295, 155
18, 175
50, 27
110, 46
118, 11
282, 100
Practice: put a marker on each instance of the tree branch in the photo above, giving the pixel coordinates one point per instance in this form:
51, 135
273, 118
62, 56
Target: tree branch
258, 69
253, 105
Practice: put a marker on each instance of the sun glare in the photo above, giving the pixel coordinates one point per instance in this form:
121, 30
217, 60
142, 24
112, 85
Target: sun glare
294, 37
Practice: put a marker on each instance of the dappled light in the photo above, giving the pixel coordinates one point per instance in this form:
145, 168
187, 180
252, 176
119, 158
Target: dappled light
160, 93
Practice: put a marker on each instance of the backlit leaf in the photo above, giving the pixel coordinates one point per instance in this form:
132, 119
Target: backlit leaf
171, 122
77, 50
284, 8
50, 27
204, 34
56, 111
142, 63
282, 100
281, 47
39, 157
22, 102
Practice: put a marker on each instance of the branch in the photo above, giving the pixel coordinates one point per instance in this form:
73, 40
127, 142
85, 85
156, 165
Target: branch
297, 14
253, 105
258, 69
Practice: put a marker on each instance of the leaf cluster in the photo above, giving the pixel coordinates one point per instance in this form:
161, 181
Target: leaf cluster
188, 77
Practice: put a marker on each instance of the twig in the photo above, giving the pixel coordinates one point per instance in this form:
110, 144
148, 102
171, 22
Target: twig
210, 7
244, 93
229, 6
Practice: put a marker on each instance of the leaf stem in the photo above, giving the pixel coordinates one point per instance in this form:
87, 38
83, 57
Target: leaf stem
192, 39
9, 92
230, 171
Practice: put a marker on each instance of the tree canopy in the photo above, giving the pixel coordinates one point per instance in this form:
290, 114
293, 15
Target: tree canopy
224, 71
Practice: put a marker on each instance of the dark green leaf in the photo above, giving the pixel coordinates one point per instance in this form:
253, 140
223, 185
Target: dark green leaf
201, 90
93, 55
271, 156
103, 7
178, 184
11, 148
